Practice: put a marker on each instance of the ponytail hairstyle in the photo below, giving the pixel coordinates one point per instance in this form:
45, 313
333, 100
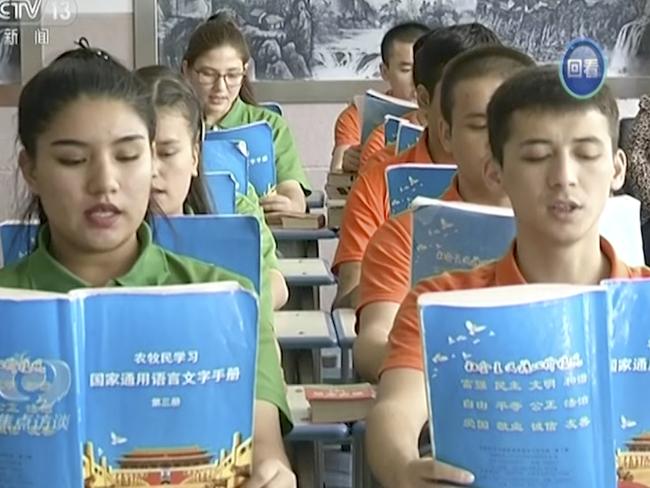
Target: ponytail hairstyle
82, 72
168, 89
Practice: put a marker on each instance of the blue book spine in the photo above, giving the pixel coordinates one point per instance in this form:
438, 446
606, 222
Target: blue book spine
170, 382
446, 239
40, 394
630, 368
519, 394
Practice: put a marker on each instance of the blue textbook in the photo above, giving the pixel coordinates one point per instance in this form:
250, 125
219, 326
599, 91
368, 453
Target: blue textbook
258, 137
391, 126
376, 105
229, 156
630, 368
457, 235
222, 188
407, 135
127, 387
518, 384
209, 238
214, 239
410, 180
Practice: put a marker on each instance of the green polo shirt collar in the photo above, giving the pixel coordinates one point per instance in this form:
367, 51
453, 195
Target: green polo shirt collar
48, 274
234, 116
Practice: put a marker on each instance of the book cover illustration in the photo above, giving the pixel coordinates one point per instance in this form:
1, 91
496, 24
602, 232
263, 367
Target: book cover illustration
518, 384
229, 156
124, 397
258, 137
407, 181
169, 406
456, 235
222, 188
376, 106
407, 135
391, 125
40, 391
630, 368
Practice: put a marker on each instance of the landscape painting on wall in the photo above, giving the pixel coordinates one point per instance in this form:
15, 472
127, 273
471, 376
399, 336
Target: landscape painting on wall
9, 52
339, 39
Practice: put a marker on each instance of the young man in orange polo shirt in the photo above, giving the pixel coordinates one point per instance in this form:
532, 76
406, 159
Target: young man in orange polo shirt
367, 205
375, 142
396, 67
468, 82
557, 159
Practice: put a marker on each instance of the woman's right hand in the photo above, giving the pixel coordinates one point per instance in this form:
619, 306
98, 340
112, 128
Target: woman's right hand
429, 473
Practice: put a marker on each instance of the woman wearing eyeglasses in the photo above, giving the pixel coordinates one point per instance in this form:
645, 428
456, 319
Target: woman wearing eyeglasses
216, 62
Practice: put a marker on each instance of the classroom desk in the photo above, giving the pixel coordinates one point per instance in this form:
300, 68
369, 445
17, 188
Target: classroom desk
361, 475
304, 329
344, 320
311, 235
316, 199
306, 438
304, 276
302, 335
306, 271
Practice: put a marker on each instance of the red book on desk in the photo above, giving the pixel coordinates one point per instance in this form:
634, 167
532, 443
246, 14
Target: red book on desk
339, 403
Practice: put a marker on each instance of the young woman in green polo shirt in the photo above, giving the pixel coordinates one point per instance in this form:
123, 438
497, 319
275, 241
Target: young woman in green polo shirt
178, 184
215, 62
86, 129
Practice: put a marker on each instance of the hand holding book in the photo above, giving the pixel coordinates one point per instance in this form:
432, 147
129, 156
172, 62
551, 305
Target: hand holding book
429, 473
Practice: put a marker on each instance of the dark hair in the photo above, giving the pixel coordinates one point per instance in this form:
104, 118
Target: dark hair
168, 89
407, 32
216, 32
81, 72
479, 62
540, 89
441, 45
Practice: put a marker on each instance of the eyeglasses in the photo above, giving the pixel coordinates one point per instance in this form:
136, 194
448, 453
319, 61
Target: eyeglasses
210, 77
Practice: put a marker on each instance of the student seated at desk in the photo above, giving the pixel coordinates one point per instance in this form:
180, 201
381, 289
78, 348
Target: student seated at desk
375, 146
86, 127
178, 179
557, 159
396, 68
367, 205
468, 82
216, 62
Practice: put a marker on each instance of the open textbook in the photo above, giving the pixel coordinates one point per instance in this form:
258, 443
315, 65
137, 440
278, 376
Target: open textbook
126, 387
374, 106
541, 385
457, 235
